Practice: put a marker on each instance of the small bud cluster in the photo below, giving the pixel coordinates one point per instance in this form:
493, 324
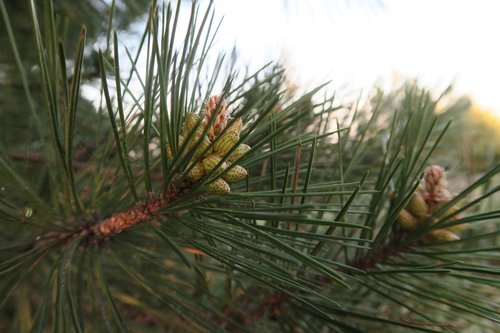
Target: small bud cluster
222, 136
426, 200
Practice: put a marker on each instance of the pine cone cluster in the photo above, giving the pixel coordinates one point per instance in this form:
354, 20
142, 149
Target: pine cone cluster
212, 146
428, 199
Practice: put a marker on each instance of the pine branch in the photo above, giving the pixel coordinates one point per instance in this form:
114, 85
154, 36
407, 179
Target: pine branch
217, 201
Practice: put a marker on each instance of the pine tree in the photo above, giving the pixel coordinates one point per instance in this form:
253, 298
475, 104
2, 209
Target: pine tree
220, 201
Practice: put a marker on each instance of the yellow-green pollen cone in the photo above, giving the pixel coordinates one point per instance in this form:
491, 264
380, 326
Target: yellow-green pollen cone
218, 186
241, 150
225, 142
417, 206
235, 174
202, 148
170, 155
429, 200
235, 125
407, 220
211, 161
444, 235
191, 122
196, 172
222, 136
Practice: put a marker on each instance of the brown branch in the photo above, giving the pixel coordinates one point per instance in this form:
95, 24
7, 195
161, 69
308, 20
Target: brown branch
128, 218
96, 230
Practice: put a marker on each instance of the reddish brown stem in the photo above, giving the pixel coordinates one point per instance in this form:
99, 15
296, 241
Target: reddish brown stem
126, 219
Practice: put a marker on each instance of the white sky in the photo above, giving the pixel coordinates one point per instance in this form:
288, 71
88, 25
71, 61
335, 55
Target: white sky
360, 42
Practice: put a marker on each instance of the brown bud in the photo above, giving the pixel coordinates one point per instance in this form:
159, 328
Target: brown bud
435, 184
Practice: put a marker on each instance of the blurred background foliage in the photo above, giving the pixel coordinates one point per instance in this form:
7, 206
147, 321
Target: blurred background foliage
70, 16
474, 138
19, 137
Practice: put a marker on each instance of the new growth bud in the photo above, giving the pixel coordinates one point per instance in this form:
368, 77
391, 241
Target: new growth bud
426, 202
436, 186
215, 104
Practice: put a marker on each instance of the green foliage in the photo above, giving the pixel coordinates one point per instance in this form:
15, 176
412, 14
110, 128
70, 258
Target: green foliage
308, 243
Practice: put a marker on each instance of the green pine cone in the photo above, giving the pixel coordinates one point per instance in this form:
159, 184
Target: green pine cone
236, 174
218, 186
241, 150
226, 142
